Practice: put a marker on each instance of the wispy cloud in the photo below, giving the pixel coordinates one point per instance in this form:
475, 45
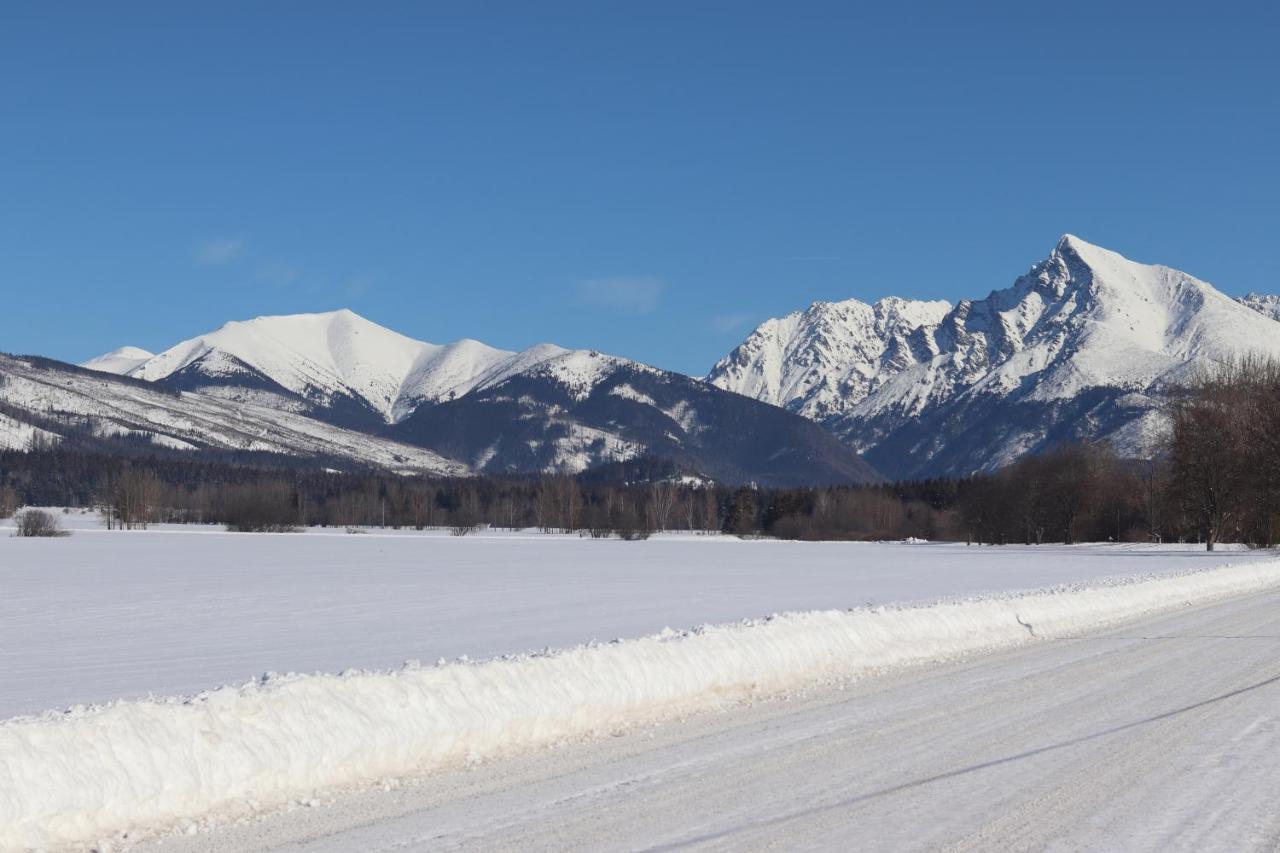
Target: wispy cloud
726, 323
219, 250
632, 294
254, 266
277, 273
358, 285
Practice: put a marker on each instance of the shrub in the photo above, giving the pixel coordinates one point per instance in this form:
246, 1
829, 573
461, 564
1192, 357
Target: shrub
37, 522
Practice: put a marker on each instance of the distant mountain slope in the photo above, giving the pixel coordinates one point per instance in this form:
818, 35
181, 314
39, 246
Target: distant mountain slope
1082, 346
580, 409
543, 409
1265, 304
119, 361
44, 401
813, 361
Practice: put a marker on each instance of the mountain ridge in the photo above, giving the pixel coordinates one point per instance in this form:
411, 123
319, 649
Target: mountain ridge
543, 409
1084, 324
1085, 345
1268, 305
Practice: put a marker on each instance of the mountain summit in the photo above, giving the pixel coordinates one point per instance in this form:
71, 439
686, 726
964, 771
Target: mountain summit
119, 361
337, 361
1082, 346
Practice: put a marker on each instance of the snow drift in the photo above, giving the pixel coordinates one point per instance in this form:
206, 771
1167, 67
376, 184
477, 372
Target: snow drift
89, 774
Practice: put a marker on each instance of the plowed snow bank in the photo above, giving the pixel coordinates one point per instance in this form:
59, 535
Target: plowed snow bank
89, 774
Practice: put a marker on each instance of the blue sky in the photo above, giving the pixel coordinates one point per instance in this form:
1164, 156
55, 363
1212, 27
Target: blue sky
646, 179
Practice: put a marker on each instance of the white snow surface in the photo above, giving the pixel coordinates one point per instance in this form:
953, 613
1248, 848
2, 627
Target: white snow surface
119, 361
323, 356
149, 764
176, 609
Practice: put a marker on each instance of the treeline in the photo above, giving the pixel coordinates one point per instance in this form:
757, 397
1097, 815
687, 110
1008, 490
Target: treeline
1216, 478
642, 497
1074, 493
630, 499
1224, 453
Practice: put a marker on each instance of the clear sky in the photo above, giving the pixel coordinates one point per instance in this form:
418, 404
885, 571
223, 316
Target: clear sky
649, 179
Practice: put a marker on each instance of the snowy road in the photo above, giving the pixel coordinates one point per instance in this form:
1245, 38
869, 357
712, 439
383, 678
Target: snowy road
1161, 736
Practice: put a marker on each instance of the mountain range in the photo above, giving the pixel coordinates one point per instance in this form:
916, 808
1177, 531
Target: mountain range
338, 386
1085, 345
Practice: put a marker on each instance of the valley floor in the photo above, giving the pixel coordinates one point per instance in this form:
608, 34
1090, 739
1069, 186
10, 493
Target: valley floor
103, 615
1162, 736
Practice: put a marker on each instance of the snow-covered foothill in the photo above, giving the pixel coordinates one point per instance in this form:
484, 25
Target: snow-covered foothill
149, 764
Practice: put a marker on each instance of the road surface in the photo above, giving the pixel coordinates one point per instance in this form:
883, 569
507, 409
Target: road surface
1162, 736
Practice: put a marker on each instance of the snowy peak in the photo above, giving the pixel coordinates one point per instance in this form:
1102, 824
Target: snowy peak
1084, 324
813, 360
350, 370
326, 359
119, 361
1090, 253
316, 356
1088, 317
1265, 304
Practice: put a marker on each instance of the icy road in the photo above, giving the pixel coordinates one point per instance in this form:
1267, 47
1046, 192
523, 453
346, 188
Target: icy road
1164, 735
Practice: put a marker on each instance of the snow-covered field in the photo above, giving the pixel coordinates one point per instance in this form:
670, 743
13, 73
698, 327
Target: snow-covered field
105, 615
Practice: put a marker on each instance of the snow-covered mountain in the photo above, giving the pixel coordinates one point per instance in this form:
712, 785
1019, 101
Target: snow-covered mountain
579, 410
1083, 345
495, 411
815, 361
1265, 304
48, 402
120, 361
336, 364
